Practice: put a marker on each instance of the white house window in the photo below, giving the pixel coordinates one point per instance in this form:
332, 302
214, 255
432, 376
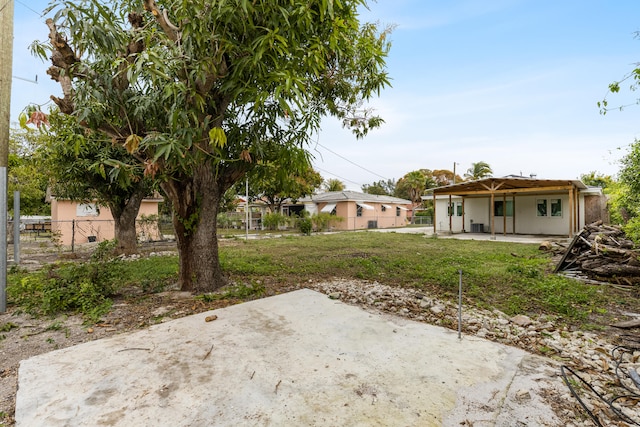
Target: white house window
541, 207
458, 208
556, 207
383, 208
397, 211
358, 210
499, 208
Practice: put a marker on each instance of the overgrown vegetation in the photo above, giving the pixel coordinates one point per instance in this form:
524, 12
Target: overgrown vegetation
323, 221
70, 287
512, 277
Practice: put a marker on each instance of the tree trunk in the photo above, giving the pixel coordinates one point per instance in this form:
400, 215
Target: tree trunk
124, 217
195, 202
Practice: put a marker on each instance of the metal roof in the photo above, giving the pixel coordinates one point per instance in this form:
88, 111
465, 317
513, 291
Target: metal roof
508, 186
354, 196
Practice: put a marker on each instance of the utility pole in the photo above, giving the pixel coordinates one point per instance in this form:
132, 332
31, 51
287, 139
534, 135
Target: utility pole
6, 71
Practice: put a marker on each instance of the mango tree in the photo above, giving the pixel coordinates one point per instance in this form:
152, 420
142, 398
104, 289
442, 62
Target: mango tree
200, 91
85, 167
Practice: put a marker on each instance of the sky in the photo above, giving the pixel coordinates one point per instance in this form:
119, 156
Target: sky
513, 83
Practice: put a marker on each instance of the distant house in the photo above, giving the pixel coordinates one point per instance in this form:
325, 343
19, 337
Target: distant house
358, 210
517, 205
76, 222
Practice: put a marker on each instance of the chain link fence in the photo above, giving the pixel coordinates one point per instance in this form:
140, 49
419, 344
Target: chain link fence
70, 235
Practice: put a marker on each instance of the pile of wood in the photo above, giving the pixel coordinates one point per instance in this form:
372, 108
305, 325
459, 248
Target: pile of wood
601, 253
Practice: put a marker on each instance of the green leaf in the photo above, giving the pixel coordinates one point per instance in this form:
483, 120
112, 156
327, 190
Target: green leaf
217, 137
23, 120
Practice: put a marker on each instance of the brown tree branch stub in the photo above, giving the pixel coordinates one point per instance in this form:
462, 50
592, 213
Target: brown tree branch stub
163, 20
63, 58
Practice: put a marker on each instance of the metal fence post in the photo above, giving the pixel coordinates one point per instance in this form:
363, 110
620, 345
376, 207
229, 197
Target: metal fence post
73, 234
460, 307
16, 227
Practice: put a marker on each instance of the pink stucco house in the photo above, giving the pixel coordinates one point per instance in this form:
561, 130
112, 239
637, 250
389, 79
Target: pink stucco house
77, 223
360, 210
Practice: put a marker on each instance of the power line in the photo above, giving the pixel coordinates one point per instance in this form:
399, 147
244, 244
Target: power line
353, 163
338, 176
37, 13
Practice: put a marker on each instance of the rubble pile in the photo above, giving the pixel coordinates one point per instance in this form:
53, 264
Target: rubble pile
601, 253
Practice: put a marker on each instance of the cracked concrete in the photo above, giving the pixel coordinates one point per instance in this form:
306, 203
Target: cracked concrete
294, 359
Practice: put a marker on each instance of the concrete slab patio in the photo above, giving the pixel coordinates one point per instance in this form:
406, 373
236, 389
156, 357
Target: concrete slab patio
297, 359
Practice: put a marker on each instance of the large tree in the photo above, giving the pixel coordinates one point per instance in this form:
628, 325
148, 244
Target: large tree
445, 177
83, 166
624, 202
597, 179
381, 188
200, 91
26, 174
334, 184
274, 183
412, 186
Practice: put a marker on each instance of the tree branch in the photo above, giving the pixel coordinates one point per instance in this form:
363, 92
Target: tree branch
63, 59
133, 48
163, 20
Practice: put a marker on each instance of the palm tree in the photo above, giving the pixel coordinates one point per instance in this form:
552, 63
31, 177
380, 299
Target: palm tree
334, 184
415, 183
478, 170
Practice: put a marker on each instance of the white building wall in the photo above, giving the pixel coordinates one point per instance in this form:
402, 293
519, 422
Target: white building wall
477, 212
527, 221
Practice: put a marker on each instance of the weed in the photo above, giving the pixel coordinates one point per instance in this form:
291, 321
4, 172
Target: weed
543, 349
84, 288
6, 327
55, 326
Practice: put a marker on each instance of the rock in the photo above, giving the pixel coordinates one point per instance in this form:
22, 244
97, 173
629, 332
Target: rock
545, 246
523, 395
521, 320
335, 295
437, 309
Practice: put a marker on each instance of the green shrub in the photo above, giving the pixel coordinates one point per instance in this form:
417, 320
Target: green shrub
305, 225
323, 220
71, 287
632, 229
272, 221
223, 220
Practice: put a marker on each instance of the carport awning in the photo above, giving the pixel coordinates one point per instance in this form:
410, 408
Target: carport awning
328, 207
365, 207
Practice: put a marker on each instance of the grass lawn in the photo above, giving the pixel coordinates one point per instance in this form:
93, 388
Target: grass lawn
514, 278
